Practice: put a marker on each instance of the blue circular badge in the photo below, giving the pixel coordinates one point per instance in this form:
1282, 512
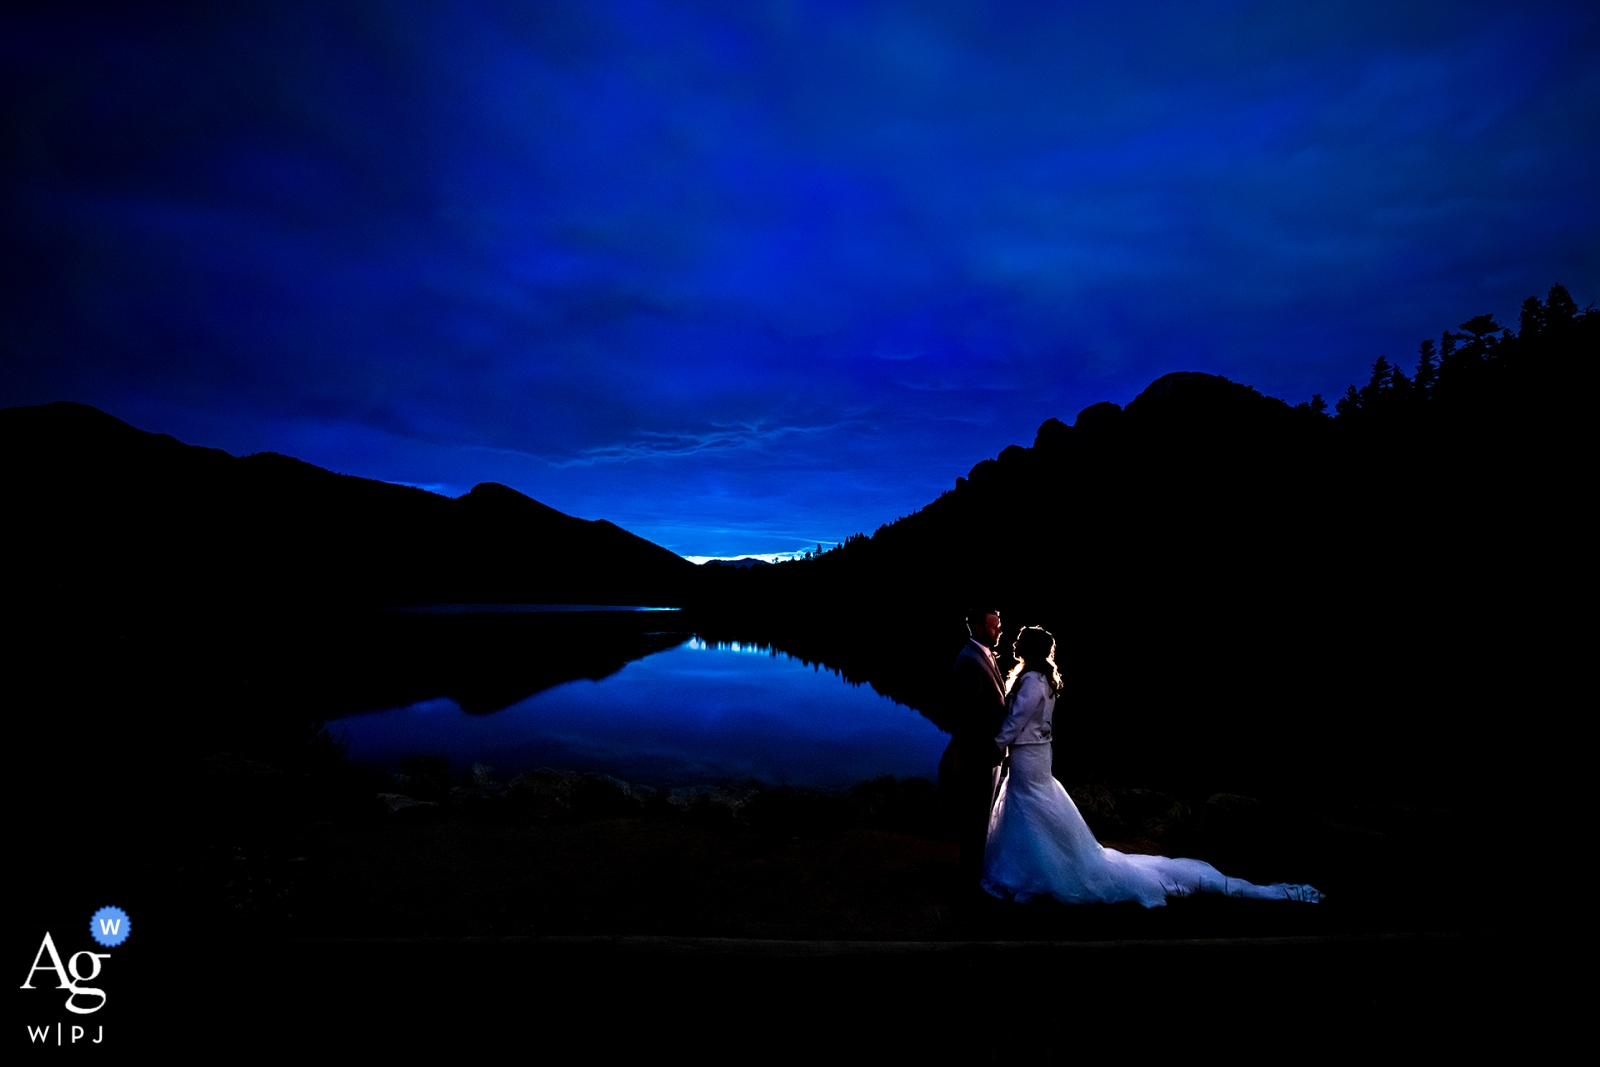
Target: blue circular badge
109, 927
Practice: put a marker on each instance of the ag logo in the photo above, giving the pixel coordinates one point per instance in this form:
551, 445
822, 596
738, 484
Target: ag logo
109, 927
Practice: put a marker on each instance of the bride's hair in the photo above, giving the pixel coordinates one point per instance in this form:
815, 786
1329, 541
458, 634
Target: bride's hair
1034, 650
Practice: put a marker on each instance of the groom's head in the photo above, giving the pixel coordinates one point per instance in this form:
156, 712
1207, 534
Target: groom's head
984, 626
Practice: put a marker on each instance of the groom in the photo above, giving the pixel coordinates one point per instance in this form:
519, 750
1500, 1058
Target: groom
968, 769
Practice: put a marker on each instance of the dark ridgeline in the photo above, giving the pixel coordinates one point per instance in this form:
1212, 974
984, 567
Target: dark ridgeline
1254, 596
259, 576
1248, 594
104, 512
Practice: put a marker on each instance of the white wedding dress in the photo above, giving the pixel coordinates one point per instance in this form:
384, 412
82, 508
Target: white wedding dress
1039, 845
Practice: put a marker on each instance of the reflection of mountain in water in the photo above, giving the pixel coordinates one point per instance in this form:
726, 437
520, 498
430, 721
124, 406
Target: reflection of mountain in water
910, 666
485, 662
1243, 591
1253, 596
164, 591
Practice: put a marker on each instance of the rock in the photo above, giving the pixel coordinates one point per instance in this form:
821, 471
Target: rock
717, 796
1098, 807
545, 783
1152, 814
1227, 803
590, 795
544, 792
228, 765
424, 776
465, 794
644, 794
481, 776
1129, 814
396, 803
601, 796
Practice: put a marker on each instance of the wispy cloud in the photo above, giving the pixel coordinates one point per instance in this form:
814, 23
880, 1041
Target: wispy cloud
656, 445
646, 261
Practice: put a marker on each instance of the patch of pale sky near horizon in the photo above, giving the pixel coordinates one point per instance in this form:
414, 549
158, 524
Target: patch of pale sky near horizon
765, 517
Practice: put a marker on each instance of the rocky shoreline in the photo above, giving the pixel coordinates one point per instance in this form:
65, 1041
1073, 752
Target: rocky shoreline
424, 786
346, 851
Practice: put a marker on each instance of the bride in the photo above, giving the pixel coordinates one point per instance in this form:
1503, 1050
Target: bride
1038, 843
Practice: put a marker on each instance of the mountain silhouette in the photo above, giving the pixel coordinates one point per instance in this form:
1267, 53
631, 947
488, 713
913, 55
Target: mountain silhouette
103, 510
1242, 589
1230, 576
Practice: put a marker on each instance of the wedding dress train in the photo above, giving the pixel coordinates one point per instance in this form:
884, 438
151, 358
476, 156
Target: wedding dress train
1039, 845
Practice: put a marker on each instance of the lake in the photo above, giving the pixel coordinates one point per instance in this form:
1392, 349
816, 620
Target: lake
696, 712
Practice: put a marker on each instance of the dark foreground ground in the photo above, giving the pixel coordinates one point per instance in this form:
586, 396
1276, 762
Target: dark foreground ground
559, 916
451, 932
609, 999
285, 901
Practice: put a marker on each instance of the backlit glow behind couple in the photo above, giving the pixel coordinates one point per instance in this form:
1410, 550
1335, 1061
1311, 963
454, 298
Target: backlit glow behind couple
1021, 835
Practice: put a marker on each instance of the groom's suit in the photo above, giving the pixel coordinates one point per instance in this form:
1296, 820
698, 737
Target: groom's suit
967, 770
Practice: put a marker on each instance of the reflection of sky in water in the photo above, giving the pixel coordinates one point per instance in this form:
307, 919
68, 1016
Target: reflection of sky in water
692, 713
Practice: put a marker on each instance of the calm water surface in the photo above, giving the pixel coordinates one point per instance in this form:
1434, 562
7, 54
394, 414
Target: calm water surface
694, 713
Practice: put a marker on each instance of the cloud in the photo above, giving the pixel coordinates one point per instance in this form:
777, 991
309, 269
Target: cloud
737, 261
666, 445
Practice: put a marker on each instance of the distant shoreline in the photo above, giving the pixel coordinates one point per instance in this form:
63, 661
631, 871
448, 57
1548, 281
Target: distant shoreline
514, 609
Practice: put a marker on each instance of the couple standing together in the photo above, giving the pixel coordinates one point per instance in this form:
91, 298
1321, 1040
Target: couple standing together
1021, 835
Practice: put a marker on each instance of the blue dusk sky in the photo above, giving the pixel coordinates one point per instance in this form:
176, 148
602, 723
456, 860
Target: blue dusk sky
743, 277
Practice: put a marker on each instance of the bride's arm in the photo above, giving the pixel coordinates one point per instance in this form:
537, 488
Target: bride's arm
1025, 704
